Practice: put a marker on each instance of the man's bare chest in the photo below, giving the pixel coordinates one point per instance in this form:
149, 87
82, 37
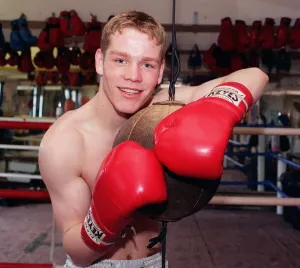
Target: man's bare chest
95, 153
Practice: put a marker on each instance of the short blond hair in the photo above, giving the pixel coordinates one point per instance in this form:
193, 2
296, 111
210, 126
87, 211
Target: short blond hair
138, 20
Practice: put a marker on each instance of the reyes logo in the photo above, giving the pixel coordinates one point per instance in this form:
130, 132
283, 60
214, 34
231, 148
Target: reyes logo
93, 230
228, 93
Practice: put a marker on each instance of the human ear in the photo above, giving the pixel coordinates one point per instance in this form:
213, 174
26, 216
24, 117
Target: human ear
99, 61
161, 72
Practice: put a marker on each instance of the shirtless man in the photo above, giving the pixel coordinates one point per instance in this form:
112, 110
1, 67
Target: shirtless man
130, 62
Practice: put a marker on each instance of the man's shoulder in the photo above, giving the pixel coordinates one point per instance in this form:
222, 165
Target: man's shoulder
60, 151
62, 133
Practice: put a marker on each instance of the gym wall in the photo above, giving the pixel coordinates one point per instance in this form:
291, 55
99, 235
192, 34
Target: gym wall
209, 12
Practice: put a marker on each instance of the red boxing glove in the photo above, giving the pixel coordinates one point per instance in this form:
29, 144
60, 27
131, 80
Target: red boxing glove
43, 39
129, 178
241, 36
226, 37
294, 40
238, 61
209, 59
92, 38
63, 60
77, 24
25, 64
56, 38
254, 35
192, 141
65, 24
267, 35
282, 32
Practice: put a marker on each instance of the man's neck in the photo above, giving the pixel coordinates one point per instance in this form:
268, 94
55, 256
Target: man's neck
106, 114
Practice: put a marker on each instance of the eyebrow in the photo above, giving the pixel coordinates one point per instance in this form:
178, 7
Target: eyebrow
151, 59
124, 54
119, 53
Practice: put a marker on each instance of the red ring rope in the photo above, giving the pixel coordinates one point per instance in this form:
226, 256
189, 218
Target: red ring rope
28, 194
25, 125
25, 265
16, 123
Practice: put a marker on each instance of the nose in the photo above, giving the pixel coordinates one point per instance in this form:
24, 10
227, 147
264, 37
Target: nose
133, 73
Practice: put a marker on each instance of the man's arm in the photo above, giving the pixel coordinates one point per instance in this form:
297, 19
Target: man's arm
252, 78
59, 163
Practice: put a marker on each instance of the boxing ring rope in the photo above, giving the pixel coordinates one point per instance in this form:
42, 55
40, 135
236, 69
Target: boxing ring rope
228, 158
24, 194
25, 123
217, 200
255, 201
279, 201
37, 124
237, 143
281, 168
26, 265
19, 147
265, 131
44, 124
20, 175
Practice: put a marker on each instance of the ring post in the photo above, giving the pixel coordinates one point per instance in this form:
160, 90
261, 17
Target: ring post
225, 161
281, 168
261, 163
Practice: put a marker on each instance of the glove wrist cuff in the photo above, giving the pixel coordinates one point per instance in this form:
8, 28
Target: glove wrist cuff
93, 236
234, 93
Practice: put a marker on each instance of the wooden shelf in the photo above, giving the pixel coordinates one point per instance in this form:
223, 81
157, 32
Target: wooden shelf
193, 28
295, 55
204, 28
36, 25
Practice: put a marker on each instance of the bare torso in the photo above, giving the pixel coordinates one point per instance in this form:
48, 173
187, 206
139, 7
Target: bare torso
97, 144
135, 243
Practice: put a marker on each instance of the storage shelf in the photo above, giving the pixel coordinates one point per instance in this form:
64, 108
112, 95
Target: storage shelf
193, 28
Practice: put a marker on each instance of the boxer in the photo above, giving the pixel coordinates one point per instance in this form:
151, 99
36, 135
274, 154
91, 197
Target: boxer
96, 190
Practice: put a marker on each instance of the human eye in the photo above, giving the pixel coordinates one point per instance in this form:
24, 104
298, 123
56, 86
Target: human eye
119, 61
148, 65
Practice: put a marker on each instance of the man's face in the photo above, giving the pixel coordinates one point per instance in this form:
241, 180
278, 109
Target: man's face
130, 70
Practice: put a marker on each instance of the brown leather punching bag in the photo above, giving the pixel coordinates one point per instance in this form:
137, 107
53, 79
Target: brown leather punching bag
185, 195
